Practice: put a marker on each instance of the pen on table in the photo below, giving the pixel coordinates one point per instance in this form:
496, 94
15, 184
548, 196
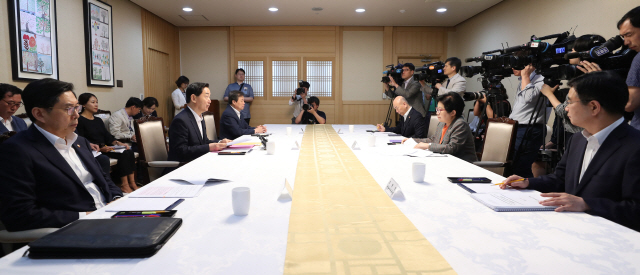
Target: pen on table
500, 183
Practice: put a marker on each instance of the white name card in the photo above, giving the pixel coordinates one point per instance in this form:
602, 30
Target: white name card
393, 190
287, 192
355, 146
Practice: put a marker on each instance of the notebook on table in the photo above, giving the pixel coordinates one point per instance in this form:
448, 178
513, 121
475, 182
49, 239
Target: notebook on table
507, 200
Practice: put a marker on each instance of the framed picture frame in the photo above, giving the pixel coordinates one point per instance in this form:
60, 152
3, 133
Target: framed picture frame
34, 39
98, 33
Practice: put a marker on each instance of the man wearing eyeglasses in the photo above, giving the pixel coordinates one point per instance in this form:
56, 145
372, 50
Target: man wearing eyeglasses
49, 175
11, 101
410, 89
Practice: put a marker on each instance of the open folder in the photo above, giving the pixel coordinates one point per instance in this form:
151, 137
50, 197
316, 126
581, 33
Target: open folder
506, 200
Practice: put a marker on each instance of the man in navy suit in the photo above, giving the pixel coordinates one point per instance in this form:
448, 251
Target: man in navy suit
411, 124
233, 124
598, 173
188, 133
11, 101
50, 177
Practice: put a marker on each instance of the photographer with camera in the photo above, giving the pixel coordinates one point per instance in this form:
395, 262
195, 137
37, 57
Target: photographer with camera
299, 99
455, 82
529, 112
410, 89
629, 27
310, 114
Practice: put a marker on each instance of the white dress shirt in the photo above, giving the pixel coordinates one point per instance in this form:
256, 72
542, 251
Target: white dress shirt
64, 148
406, 115
7, 123
593, 143
179, 99
237, 112
198, 120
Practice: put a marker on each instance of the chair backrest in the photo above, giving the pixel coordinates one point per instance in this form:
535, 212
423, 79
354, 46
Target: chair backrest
547, 137
26, 119
432, 126
499, 141
152, 145
210, 122
104, 115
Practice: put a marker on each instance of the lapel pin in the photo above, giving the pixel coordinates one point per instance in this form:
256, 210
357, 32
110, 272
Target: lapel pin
78, 145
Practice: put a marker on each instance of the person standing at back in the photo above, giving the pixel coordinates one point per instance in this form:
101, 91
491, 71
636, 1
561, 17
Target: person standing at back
245, 88
179, 95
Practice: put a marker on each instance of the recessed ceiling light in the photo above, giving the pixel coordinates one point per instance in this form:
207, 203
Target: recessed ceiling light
359, 10
441, 10
273, 9
187, 9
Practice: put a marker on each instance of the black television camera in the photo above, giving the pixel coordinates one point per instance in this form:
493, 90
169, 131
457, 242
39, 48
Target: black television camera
603, 55
493, 68
395, 72
432, 73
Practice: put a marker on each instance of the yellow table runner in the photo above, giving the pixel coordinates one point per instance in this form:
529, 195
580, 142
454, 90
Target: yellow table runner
342, 222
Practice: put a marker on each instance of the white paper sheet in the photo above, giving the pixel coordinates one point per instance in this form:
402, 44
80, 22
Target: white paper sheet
138, 204
96, 153
241, 139
182, 191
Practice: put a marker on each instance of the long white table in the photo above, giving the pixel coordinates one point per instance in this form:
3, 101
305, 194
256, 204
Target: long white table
470, 236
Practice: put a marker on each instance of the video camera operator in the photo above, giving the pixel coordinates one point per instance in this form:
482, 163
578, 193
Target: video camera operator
310, 113
410, 89
455, 82
529, 113
299, 98
502, 110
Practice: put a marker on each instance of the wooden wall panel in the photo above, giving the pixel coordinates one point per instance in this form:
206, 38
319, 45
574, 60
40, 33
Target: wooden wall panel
365, 112
414, 41
161, 56
276, 41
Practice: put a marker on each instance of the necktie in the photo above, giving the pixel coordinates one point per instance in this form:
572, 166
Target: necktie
204, 130
447, 86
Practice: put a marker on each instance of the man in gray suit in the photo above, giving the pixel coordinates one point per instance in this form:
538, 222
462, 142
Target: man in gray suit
410, 89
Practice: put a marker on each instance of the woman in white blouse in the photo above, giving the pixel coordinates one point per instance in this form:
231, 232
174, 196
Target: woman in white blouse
179, 95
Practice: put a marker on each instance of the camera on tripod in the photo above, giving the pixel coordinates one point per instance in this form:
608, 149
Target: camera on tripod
431, 73
395, 72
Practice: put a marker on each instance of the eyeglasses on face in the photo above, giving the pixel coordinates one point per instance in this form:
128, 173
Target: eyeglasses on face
13, 103
439, 110
70, 110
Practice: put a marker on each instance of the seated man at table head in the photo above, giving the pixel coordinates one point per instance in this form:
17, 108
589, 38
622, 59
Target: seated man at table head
149, 105
232, 123
411, 123
11, 100
188, 138
598, 173
310, 114
453, 135
51, 178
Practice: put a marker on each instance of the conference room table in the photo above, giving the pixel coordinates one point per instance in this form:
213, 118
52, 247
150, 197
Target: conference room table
470, 236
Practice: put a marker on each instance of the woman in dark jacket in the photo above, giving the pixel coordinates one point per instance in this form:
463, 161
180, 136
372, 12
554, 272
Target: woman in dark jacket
94, 130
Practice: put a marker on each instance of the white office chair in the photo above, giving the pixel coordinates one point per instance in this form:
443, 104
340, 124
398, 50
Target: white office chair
210, 122
498, 145
153, 147
432, 126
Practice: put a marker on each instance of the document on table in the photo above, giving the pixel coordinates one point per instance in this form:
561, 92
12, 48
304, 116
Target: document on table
240, 139
181, 191
96, 153
139, 204
512, 201
200, 180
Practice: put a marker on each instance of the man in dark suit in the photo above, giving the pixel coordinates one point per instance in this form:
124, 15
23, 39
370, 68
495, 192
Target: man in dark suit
598, 173
50, 177
188, 133
11, 101
233, 124
411, 123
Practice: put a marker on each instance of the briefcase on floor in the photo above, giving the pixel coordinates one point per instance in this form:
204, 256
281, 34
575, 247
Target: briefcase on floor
106, 238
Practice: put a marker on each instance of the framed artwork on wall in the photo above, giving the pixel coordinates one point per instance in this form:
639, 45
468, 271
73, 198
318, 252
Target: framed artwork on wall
34, 40
98, 32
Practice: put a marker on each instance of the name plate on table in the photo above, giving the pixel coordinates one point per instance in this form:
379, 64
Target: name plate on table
355, 146
393, 190
287, 192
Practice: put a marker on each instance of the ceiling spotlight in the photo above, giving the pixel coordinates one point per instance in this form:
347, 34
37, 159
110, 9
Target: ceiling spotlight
273, 9
187, 9
441, 10
359, 10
